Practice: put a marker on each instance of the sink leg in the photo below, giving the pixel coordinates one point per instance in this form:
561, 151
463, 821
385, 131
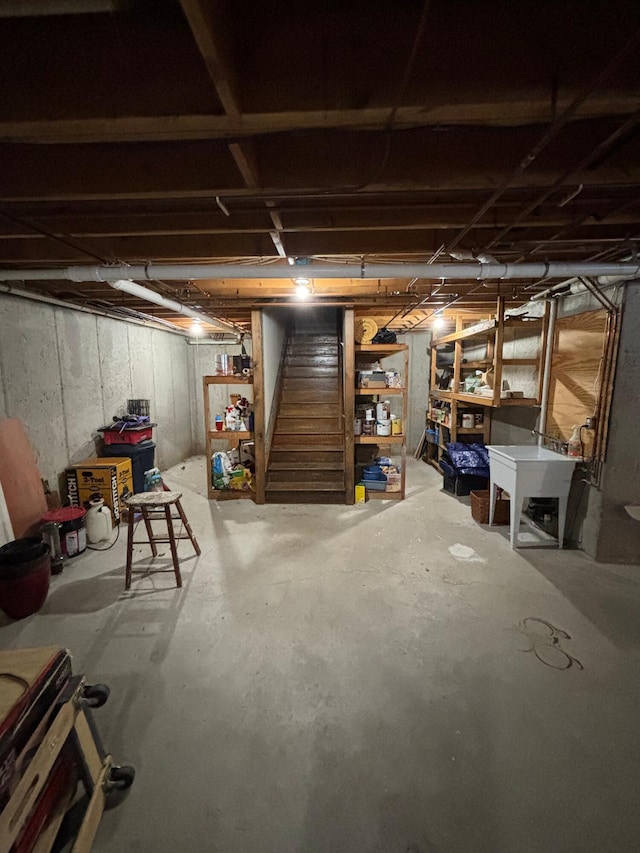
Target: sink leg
562, 517
493, 492
516, 510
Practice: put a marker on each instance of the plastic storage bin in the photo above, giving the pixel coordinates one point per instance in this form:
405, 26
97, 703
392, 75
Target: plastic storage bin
142, 459
127, 436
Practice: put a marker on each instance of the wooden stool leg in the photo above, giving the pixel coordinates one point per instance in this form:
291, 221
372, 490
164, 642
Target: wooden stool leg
172, 543
187, 527
127, 581
147, 524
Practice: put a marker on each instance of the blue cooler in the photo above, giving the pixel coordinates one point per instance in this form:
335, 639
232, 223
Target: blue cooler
142, 459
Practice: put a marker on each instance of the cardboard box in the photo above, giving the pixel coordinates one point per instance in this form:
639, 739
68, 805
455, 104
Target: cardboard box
111, 478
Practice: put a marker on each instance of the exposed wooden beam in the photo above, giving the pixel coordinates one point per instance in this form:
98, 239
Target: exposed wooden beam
318, 164
188, 247
244, 155
245, 158
182, 127
207, 22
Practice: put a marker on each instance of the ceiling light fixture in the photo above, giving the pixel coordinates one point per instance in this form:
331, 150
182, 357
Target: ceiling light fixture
303, 291
438, 320
196, 327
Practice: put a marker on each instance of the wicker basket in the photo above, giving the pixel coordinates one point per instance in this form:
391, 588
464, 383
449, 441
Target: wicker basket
480, 509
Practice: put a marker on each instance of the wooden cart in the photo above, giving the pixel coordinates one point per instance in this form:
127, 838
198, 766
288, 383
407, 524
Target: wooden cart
63, 747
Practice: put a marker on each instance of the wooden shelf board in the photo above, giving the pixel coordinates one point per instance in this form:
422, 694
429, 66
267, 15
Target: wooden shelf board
380, 349
476, 365
479, 400
232, 494
228, 380
469, 430
377, 439
383, 496
230, 434
366, 392
465, 334
520, 401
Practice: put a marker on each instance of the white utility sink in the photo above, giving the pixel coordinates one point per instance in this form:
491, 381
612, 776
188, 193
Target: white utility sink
530, 472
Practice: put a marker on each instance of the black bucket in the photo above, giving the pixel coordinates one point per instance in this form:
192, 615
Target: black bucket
25, 569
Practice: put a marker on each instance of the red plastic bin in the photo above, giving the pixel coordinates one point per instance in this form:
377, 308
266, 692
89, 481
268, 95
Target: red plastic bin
127, 436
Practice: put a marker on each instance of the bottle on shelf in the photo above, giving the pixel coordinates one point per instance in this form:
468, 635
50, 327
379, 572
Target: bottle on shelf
575, 442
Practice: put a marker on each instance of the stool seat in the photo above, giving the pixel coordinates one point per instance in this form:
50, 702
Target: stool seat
156, 506
152, 498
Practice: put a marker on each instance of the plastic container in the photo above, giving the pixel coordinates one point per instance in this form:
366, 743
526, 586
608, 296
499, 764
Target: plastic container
127, 436
383, 427
25, 570
73, 534
99, 521
50, 531
142, 459
138, 407
575, 442
368, 427
383, 411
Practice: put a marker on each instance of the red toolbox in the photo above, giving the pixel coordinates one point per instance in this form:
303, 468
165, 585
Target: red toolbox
128, 435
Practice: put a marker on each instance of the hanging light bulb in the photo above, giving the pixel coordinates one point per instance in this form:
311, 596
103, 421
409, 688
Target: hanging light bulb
196, 327
303, 289
438, 321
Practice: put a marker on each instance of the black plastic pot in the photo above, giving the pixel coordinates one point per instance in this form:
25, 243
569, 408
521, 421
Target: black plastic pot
17, 555
25, 569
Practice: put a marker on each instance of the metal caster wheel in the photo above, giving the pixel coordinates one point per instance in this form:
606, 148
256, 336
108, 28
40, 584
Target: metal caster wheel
117, 785
121, 778
95, 695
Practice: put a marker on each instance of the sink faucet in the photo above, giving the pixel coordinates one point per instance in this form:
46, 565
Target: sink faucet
554, 443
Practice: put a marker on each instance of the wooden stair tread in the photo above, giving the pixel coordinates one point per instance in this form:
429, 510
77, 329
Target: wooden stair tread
310, 466
306, 486
324, 448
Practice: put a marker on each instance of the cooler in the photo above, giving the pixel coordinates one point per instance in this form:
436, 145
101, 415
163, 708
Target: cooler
142, 459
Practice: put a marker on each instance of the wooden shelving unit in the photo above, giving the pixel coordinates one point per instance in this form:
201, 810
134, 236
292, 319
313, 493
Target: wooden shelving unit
233, 437
368, 353
489, 333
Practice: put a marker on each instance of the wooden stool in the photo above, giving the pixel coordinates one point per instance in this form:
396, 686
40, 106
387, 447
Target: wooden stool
159, 504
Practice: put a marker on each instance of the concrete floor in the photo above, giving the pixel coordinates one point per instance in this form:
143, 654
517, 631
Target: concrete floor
337, 680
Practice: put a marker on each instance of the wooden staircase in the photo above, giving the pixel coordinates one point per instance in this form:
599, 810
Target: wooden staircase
306, 462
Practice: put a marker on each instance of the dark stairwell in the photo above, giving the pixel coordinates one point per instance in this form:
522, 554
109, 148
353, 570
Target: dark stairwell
307, 460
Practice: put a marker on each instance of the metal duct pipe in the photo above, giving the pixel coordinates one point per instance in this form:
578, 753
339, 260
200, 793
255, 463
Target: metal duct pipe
574, 286
558, 290
546, 376
157, 298
454, 271
144, 320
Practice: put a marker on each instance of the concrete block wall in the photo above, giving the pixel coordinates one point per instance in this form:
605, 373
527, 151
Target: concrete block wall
65, 373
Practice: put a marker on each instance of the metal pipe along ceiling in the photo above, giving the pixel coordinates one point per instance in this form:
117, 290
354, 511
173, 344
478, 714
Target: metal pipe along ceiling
158, 299
451, 271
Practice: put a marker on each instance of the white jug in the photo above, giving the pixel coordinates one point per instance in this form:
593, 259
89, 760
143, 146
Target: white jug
98, 521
